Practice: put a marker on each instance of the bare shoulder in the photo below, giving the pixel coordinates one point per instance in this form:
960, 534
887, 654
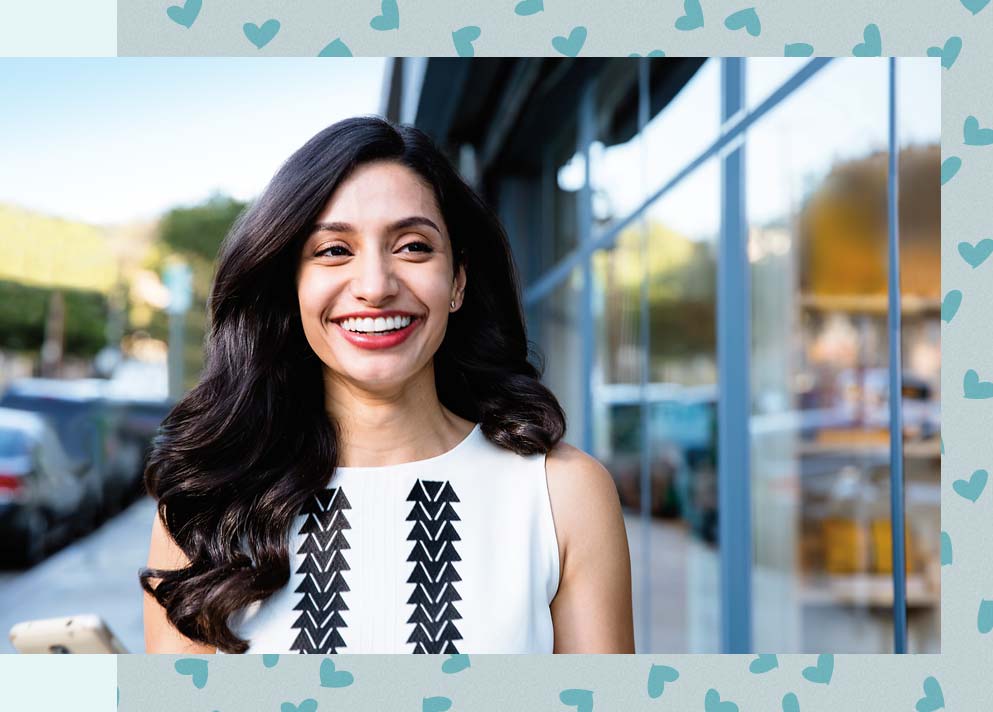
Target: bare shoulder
583, 496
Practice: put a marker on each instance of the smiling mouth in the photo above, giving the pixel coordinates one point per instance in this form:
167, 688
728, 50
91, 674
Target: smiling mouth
376, 326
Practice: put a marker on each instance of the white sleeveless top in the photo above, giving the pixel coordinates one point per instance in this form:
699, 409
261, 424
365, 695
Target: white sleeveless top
452, 554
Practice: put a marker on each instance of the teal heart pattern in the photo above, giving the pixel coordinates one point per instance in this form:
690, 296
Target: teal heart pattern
791, 703
270, 660
195, 668
946, 549
261, 35
528, 7
763, 663
798, 49
389, 17
712, 703
308, 705
692, 17
746, 19
571, 45
974, 6
653, 53
985, 618
185, 14
933, 699
949, 167
334, 678
456, 663
973, 487
582, 700
950, 305
435, 704
335, 48
658, 676
976, 254
872, 43
463, 38
974, 135
974, 388
821, 672
948, 52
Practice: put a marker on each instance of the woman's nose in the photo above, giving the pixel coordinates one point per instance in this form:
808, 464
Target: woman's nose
374, 279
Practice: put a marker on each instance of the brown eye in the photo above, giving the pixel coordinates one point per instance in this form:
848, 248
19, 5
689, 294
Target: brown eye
424, 247
334, 247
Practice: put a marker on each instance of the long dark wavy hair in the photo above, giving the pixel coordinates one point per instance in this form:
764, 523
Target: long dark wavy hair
238, 456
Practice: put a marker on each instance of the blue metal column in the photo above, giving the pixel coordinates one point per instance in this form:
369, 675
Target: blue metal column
646, 347
584, 208
734, 400
896, 384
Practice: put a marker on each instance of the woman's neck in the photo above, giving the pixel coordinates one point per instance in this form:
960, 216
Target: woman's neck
392, 426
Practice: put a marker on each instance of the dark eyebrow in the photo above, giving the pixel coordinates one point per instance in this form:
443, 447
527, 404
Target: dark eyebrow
392, 227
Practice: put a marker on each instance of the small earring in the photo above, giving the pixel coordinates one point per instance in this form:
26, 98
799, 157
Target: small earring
453, 304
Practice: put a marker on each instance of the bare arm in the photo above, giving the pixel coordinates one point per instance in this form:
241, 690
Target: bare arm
592, 612
160, 635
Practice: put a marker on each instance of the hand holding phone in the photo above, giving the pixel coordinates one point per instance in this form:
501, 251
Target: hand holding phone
86, 633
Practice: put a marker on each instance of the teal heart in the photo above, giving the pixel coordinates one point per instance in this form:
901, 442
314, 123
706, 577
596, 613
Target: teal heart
528, 7
570, 46
763, 663
975, 136
653, 53
949, 52
933, 699
974, 388
798, 49
194, 667
389, 19
658, 676
974, 6
976, 254
270, 660
950, 305
332, 678
463, 39
822, 671
949, 167
746, 18
261, 36
712, 703
973, 487
435, 704
185, 14
335, 48
790, 703
582, 700
872, 46
946, 549
692, 17
308, 705
457, 663
985, 616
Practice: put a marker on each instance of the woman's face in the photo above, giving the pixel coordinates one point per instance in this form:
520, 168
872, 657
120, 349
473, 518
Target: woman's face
375, 280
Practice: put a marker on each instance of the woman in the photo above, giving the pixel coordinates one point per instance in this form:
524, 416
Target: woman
370, 463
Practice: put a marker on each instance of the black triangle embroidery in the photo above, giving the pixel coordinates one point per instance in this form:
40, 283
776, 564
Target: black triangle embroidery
323, 582
433, 573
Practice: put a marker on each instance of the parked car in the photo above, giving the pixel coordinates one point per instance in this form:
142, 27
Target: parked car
43, 501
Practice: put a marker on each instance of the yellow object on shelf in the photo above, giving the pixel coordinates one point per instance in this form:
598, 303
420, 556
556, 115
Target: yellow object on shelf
882, 547
846, 546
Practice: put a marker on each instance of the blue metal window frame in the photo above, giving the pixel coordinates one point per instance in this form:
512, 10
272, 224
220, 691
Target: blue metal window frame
734, 325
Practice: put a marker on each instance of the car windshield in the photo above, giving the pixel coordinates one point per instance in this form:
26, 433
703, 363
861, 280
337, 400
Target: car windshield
14, 443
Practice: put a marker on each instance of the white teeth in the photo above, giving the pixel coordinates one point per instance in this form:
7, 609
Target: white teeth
370, 325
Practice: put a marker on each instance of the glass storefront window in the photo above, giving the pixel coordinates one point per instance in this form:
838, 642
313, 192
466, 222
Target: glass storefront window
763, 75
560, 346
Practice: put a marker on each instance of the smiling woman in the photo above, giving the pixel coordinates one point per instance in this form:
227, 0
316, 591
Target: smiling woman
370, 462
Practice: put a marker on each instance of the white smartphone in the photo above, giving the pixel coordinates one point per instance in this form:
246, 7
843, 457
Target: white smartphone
85, 633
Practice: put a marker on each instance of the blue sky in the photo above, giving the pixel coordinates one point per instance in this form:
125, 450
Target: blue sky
108, 140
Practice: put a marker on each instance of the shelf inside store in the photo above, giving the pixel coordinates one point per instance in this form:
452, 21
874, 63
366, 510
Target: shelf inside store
866, 590
869, 304
868, 442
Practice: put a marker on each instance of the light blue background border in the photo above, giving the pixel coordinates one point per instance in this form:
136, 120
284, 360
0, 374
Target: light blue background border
962, 33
